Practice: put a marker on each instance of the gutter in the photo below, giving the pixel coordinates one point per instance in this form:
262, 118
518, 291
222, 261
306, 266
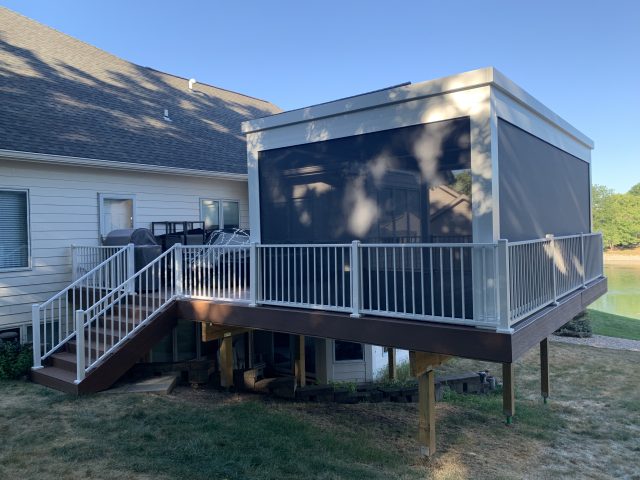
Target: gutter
115, 165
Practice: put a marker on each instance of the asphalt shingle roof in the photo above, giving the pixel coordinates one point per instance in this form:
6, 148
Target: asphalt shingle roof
61, 96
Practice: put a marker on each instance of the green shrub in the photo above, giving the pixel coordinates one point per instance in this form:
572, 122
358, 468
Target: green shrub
15, 360
579, 326
403, 374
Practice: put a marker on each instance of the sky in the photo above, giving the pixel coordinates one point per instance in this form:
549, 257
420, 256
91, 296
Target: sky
579, 58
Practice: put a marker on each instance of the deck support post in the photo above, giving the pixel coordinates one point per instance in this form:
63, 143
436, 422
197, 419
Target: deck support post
544, 369
508, 392
427, 413
300, 368
226, 362
392, 363
422, 367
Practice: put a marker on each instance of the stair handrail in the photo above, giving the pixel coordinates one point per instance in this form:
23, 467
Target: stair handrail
124, 255
121, 294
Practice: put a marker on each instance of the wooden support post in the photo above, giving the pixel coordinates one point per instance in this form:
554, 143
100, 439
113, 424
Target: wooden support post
508, 392
226, 362
427, 412
544, 369
300, 369
393, 374
422, 367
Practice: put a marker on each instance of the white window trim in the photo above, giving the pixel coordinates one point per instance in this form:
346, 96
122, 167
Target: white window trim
220, 209
29, 259
114, 196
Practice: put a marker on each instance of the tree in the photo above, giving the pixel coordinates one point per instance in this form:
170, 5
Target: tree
617, 216
635, 190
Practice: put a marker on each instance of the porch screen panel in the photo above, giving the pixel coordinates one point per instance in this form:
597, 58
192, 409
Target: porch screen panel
398, 186
542, 189
370, 187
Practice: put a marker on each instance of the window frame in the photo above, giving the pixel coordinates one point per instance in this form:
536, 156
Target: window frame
220, 209
29, 265
114, 196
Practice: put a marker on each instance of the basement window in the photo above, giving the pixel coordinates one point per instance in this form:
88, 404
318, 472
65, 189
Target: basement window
348, 351
14, 230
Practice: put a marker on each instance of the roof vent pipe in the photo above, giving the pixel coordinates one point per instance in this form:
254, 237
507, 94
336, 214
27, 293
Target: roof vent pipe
192, 82
166, 115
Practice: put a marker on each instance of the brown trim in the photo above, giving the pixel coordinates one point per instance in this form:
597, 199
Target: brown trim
534, 329
432, 337
447, 339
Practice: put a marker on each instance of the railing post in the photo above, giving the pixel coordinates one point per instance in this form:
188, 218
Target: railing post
253, 277
35, 335
74, 264
503, 287
131, 267
80, 353
178, 268
355, 278
583, 261
553, 267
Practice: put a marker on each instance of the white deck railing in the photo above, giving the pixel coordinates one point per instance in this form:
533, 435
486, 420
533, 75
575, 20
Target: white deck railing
105, 268
492, 285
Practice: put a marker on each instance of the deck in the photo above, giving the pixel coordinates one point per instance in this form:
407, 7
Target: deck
485, 301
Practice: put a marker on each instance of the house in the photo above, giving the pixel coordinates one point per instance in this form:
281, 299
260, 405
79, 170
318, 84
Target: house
90, 143
448, 218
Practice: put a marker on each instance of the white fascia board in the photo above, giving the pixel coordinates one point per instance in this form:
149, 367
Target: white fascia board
507, 108
113, 165
463, 81
441, 86
502, 83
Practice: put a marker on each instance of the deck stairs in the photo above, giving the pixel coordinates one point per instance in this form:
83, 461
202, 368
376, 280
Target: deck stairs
119, 324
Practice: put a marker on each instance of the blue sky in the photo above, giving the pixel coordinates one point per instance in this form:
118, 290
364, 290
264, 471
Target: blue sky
582, 59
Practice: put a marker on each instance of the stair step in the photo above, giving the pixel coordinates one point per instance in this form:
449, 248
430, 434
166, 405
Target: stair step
64, 361
57, 378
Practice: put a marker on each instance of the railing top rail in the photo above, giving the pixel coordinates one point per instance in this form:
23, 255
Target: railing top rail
577, 235
299, 245
98, 246
120, 287
377, 245
423, 245
194, 247
82, 278
529, 242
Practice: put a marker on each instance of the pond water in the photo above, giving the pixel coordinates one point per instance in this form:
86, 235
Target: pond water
623, 297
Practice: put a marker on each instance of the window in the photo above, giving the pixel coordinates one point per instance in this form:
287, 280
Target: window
116, 211
345, 351
218, 214
14, 229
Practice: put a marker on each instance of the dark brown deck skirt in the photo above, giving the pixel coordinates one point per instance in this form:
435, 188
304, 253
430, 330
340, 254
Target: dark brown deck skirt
456, 340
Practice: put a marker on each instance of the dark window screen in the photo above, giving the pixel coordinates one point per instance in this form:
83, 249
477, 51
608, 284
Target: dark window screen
348, 351
399, 185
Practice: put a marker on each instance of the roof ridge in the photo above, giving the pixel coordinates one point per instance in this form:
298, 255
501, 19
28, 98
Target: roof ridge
103, 51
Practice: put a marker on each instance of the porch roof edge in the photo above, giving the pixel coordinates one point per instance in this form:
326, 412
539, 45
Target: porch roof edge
403, 93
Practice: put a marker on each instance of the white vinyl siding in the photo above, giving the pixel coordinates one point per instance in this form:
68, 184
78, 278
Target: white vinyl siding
14, 229
64, 210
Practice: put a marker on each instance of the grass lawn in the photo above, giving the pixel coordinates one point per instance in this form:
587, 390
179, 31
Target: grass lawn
589, 429
614, 325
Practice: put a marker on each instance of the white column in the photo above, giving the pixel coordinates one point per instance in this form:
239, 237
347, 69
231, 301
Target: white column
80, 353
355, 278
